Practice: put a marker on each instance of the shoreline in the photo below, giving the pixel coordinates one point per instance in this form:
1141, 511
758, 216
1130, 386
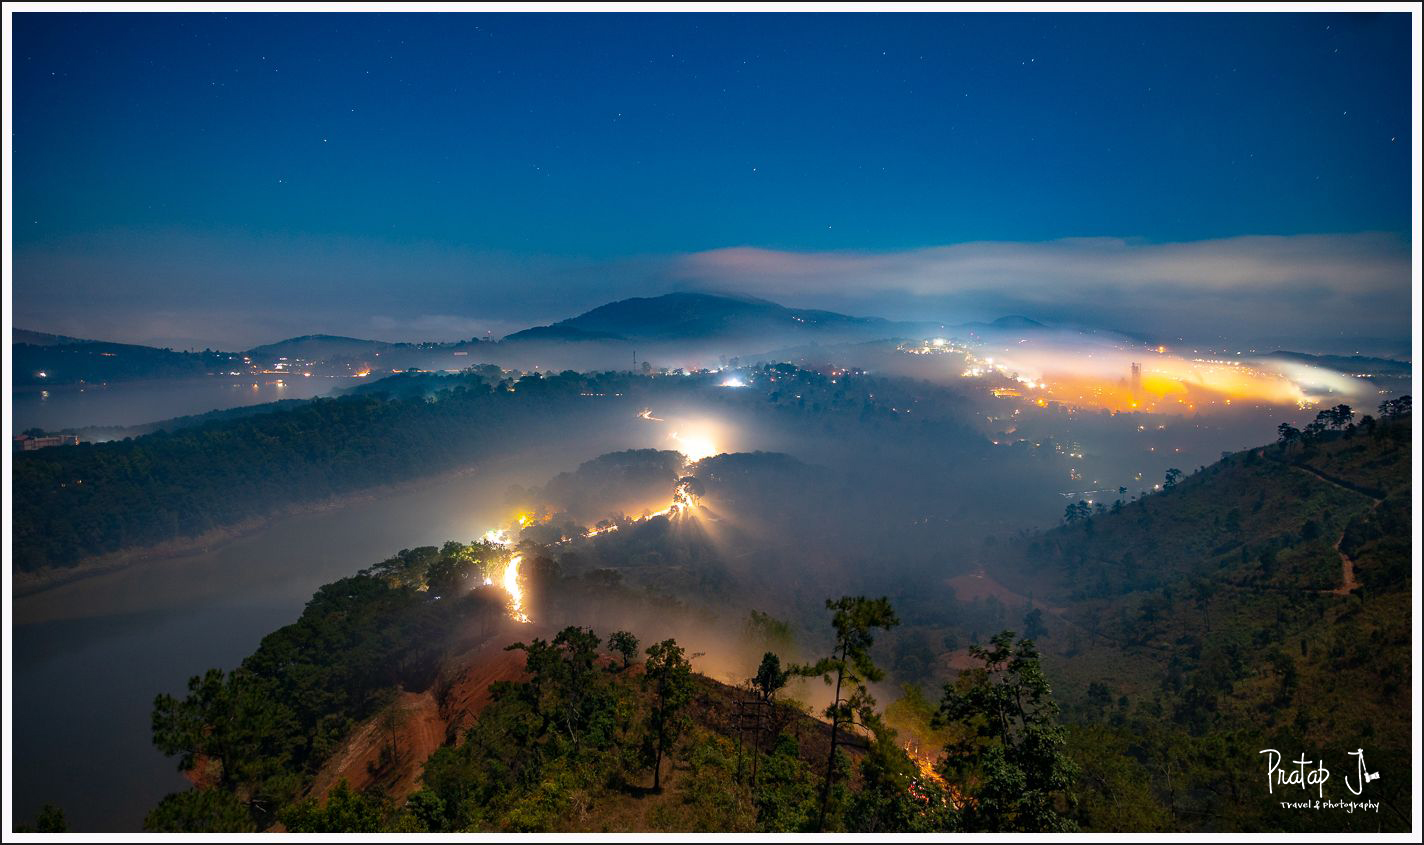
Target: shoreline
25, 584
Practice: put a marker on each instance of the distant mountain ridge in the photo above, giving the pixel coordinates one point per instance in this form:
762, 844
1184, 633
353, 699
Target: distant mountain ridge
667, 318
1012, 321
62, 360
705, 316
561, 332
1346, 363
676, 329
317, 346
46, 339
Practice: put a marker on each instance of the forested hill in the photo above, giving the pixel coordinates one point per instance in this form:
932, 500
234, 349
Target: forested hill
74, 361
96, 498
1263, 602
405, 700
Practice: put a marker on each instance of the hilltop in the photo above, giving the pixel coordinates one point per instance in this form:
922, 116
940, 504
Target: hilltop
387, 754
44, 338
317, 347
702, 316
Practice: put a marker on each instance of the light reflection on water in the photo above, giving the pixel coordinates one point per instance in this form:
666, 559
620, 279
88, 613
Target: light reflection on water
137, 402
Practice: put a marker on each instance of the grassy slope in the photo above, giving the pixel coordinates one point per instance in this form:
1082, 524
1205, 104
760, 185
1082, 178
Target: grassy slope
1212, 608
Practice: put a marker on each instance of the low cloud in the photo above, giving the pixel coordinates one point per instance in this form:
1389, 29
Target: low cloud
441, 327
1244, 288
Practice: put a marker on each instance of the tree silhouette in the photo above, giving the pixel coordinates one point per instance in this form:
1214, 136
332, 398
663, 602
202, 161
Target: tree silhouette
1393, 408
852, 669
561, 679
669, 675
770, 677
1033, 624
1011, 761
1335, 418
1079, 511
624, 644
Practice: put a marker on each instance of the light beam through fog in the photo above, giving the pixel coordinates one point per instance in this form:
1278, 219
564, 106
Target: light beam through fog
694, 446
685, 501
695, 440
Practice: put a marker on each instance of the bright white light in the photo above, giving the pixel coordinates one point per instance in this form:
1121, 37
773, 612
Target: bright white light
734, 381
694, 447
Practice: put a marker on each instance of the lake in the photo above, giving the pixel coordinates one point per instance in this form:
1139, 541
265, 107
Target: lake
90, 655
134, 402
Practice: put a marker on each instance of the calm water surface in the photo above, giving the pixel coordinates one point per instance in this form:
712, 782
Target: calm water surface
135, 402
90, 656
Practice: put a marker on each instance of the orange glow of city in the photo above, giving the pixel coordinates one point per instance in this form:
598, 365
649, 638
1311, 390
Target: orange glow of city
1123, 378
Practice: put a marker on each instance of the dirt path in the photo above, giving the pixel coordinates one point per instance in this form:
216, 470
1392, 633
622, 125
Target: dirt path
1348, 582
1347, 568
1338, 482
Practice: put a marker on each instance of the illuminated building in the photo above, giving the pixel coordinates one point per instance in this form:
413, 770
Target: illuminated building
26, 443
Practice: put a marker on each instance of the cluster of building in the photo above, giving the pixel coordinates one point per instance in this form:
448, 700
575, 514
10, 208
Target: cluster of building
29, 443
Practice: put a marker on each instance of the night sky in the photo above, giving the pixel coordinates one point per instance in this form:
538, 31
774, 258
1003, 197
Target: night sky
231, 179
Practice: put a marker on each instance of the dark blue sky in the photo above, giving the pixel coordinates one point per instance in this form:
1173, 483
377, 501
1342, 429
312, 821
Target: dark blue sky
149, 148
